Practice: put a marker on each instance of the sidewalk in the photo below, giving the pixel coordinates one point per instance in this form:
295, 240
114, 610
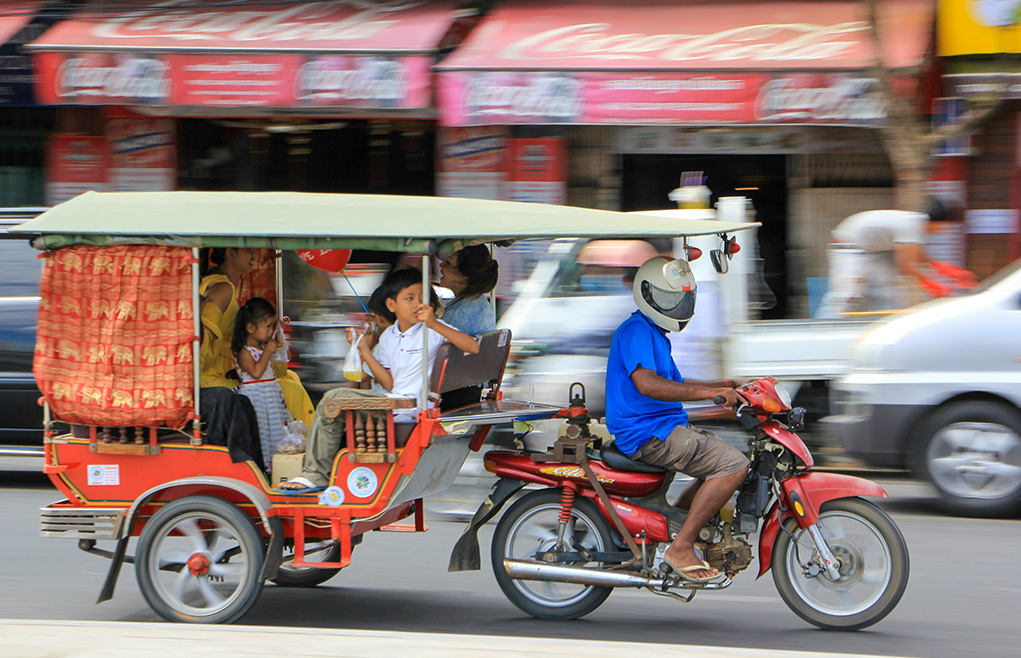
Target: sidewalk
70, 639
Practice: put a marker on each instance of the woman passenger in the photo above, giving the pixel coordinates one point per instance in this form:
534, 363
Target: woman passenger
470, 274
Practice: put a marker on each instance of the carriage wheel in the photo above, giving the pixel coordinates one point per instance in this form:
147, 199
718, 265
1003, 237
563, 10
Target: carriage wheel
199, 560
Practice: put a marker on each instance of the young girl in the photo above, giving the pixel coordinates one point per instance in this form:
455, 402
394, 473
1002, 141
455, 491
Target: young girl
255, 340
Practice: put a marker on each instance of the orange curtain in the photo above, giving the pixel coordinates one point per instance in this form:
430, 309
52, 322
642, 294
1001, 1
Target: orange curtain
261, 281
114, 341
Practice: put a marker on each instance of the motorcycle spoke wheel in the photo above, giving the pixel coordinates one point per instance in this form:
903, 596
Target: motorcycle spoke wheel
199, 560
530, 527
872, 560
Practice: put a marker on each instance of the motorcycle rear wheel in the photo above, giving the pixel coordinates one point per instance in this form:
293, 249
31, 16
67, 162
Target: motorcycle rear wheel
529, 526
873, 562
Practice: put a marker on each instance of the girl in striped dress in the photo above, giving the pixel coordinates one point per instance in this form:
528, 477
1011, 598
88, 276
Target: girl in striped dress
255, 341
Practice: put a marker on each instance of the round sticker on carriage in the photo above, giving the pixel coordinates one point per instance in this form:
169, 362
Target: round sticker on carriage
332, 496
362, 482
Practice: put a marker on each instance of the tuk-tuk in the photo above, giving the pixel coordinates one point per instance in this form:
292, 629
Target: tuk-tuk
117, 360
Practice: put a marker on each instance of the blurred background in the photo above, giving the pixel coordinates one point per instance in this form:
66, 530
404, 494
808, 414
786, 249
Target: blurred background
796, 115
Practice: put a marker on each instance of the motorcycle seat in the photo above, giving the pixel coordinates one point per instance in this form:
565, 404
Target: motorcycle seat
613, 457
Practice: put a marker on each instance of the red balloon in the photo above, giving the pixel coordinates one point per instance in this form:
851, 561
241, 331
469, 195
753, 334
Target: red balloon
331, 260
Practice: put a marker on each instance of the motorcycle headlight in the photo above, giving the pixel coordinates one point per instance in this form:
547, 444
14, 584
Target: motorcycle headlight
784, 395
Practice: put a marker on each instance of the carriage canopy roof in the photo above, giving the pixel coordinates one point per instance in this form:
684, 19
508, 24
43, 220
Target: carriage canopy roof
292, 220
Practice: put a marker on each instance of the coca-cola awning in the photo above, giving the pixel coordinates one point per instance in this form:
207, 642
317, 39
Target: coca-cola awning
680, 62
335, 53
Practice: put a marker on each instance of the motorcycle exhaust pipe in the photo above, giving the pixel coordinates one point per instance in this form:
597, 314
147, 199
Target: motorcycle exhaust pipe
522, 570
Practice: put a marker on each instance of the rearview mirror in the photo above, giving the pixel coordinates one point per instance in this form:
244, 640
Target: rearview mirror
721, 257
720, 262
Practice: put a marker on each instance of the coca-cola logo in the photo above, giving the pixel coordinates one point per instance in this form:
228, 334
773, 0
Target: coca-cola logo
372, 79
137, 78
549, 96
310, 21
784, 42
848, 99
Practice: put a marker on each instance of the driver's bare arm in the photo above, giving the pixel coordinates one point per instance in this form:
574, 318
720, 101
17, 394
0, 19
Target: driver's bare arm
652, 385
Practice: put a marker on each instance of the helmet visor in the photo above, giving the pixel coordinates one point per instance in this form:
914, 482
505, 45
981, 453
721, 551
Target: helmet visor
675, 304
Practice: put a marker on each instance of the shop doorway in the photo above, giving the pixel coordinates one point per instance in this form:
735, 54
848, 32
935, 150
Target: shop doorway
340, 156
648, 179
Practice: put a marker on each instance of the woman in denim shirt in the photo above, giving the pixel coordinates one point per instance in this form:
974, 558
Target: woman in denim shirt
470, 274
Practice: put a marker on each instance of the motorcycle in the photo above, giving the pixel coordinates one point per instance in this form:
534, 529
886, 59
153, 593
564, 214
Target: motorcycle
601, 521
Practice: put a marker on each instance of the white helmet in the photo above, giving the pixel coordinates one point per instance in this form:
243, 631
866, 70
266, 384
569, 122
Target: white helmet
665, 292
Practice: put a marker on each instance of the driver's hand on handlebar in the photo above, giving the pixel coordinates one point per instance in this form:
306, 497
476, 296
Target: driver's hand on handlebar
728, 397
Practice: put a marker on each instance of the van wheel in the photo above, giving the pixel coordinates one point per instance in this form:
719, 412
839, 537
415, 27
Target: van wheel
971, 452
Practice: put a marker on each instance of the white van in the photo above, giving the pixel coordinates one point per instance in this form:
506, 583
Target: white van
938, 390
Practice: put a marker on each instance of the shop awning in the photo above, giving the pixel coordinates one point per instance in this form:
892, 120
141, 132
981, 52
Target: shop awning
670, 61
340, 53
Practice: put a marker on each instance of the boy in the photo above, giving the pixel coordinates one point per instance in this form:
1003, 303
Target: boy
397, 369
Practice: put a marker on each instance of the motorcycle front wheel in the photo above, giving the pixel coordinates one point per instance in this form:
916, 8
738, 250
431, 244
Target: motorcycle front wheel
872, 559
530, 527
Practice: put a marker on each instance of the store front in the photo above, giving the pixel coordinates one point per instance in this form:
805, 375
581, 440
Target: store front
313, 96
981, 42
771, 100
24, 126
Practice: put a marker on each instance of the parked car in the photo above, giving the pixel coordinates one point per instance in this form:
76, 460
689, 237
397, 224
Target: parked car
938, 390
20, 269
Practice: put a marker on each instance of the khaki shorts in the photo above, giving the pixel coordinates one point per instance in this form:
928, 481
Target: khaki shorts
693, 451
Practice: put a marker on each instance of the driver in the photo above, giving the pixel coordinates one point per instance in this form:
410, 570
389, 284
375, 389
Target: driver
644, 410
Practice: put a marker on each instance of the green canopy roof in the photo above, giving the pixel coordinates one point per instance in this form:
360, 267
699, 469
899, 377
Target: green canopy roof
292, 220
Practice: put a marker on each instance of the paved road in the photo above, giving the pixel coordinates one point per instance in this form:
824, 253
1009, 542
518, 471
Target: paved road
962, 599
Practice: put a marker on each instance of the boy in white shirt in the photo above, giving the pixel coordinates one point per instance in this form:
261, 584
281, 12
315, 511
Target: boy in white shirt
398, 369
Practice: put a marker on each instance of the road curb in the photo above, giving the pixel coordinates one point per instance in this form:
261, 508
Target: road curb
81, 639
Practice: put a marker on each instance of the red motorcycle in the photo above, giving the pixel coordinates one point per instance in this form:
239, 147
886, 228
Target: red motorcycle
602, 521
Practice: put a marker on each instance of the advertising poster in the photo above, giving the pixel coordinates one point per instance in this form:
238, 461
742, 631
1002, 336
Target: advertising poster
76, 164
143, 154
472, 162
538, 170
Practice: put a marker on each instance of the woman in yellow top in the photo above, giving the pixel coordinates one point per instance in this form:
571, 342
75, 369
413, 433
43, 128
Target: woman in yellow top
219, 312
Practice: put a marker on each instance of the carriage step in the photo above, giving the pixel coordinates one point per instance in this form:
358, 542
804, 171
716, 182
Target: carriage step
401, 527
82, 523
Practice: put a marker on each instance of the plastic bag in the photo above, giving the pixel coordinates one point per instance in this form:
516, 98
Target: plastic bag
353, 362
281, 354
295, 439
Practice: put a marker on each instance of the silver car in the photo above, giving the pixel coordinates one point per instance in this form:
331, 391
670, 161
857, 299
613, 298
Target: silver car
939, 390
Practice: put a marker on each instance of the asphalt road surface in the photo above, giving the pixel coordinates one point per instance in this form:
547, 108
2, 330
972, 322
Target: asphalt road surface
962, 599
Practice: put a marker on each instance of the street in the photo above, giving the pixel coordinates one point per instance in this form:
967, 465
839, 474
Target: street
962, 597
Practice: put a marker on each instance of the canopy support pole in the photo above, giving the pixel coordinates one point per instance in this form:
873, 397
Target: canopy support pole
196, 304
425, 334
278, 267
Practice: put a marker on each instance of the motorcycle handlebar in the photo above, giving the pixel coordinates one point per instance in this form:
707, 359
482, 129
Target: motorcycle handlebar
719, 399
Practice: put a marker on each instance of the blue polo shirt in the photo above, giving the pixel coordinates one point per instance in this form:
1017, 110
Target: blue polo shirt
631, 417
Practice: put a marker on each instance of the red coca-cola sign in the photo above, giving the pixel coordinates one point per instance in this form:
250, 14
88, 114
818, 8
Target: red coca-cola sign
236, 80
821, 98
101, 78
